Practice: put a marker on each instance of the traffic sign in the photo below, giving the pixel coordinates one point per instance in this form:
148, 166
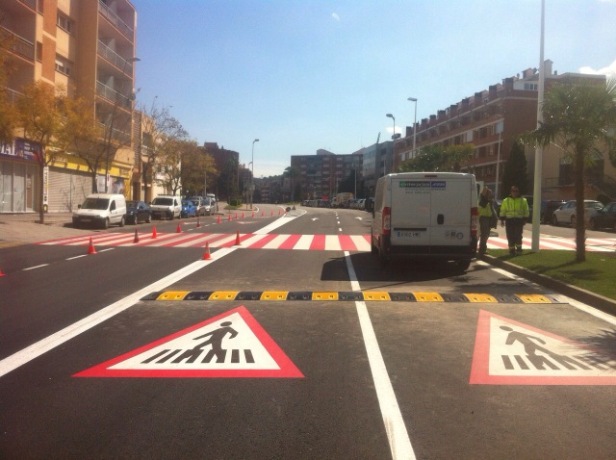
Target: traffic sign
511, 353
231, 345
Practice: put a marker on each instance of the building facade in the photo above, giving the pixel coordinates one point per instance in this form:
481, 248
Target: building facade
318, 177
491, 120
87, 48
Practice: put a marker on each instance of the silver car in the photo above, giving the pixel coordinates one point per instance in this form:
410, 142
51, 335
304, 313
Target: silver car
565, 215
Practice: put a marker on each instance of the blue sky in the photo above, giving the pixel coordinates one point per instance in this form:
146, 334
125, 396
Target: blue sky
301, 75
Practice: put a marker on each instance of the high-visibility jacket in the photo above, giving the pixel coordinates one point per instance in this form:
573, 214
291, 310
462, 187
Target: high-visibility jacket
485, 211
514, 208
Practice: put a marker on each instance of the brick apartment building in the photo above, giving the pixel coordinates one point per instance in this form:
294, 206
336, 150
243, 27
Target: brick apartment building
88, 48
491, 120
319, 176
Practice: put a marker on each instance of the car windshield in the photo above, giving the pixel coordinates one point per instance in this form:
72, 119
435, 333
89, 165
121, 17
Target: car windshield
95, 203
163, 201
593, 205
207, 202
187, 203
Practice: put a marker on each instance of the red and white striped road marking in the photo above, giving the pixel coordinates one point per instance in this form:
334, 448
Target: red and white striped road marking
319, 242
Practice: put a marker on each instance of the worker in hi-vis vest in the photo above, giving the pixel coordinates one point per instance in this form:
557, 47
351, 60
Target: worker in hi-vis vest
513, 215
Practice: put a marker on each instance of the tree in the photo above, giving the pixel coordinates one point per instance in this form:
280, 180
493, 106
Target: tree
581, 120
198, 169
515, 172
158, 128
439, 158
41, 115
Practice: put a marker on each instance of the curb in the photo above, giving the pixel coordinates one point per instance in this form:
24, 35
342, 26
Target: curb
597, 301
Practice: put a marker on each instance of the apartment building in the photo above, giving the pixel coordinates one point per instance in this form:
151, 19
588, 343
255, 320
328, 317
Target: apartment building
86, 47
491, 120
319, 176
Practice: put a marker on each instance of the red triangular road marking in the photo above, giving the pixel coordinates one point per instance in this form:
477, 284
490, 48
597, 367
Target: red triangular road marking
249, 352
511, 353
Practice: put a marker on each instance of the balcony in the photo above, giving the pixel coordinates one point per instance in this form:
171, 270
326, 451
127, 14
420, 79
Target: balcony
114, 58
112, 95
114, 19
17, 44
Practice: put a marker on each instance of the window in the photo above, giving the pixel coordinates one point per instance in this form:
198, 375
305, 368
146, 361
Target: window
63, 65
65, 23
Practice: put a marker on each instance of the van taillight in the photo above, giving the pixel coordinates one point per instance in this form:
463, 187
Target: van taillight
386, 221
474, 221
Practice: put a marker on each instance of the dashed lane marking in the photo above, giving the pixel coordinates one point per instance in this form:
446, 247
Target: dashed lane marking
353, 296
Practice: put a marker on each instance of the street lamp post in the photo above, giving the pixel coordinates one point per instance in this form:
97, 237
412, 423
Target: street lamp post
414, 100
252, 171
389, 115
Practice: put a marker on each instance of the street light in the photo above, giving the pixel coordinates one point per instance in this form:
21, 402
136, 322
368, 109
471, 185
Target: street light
413, 99
389, 115
252, 171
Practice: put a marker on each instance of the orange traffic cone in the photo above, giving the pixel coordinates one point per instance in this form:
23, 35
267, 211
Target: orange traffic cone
136, 239
91, 249
206, 254
242, 215
229, 217
178, 229
154, 232
218, 220
237, 238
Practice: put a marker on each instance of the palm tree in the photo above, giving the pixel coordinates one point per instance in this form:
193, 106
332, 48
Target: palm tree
580, 119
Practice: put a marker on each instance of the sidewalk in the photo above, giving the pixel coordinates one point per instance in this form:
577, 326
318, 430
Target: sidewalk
25, 228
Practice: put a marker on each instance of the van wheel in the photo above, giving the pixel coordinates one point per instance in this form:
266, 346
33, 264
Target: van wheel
463, 264
122, 222
106, 224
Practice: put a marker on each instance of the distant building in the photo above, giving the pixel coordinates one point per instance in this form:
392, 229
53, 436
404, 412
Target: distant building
491, 120
319, 176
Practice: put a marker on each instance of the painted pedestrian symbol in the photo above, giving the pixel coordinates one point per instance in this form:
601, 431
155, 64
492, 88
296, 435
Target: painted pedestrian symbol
511, 353
230, 345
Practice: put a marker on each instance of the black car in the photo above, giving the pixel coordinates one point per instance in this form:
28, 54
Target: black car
604, 218
138, 211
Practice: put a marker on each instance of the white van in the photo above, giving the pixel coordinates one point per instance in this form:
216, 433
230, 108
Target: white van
166, 207
426, 215
101, 210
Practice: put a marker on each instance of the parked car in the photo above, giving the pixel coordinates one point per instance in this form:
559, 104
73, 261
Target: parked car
188, 208
604, 218
166, 206
199, 203
565, 215
102, 210
547, 209
208, 206
138, 211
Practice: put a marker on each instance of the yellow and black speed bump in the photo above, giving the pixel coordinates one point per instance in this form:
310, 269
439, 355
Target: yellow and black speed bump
353, 296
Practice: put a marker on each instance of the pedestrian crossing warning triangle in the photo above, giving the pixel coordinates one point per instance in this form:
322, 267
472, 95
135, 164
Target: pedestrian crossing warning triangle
511, 353
230, 345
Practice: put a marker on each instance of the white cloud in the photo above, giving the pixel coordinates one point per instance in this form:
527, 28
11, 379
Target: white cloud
336, 17
609, 70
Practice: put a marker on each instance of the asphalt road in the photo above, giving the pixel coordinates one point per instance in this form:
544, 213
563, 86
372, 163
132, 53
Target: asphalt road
147, 351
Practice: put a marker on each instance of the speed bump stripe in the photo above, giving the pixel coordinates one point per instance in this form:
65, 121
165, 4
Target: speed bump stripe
173, 295
327, 295
376, 295
481, 298
224, 295
274, 295
533, 298
428, 296
351, 296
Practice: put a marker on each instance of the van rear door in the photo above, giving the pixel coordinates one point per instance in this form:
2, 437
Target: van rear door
431, 211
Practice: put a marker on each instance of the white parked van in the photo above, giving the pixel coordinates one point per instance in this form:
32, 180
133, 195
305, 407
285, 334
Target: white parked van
166, 207
101, 210
426, 215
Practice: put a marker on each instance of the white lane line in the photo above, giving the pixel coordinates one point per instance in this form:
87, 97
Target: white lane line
397, 435
37, 349
34, 267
